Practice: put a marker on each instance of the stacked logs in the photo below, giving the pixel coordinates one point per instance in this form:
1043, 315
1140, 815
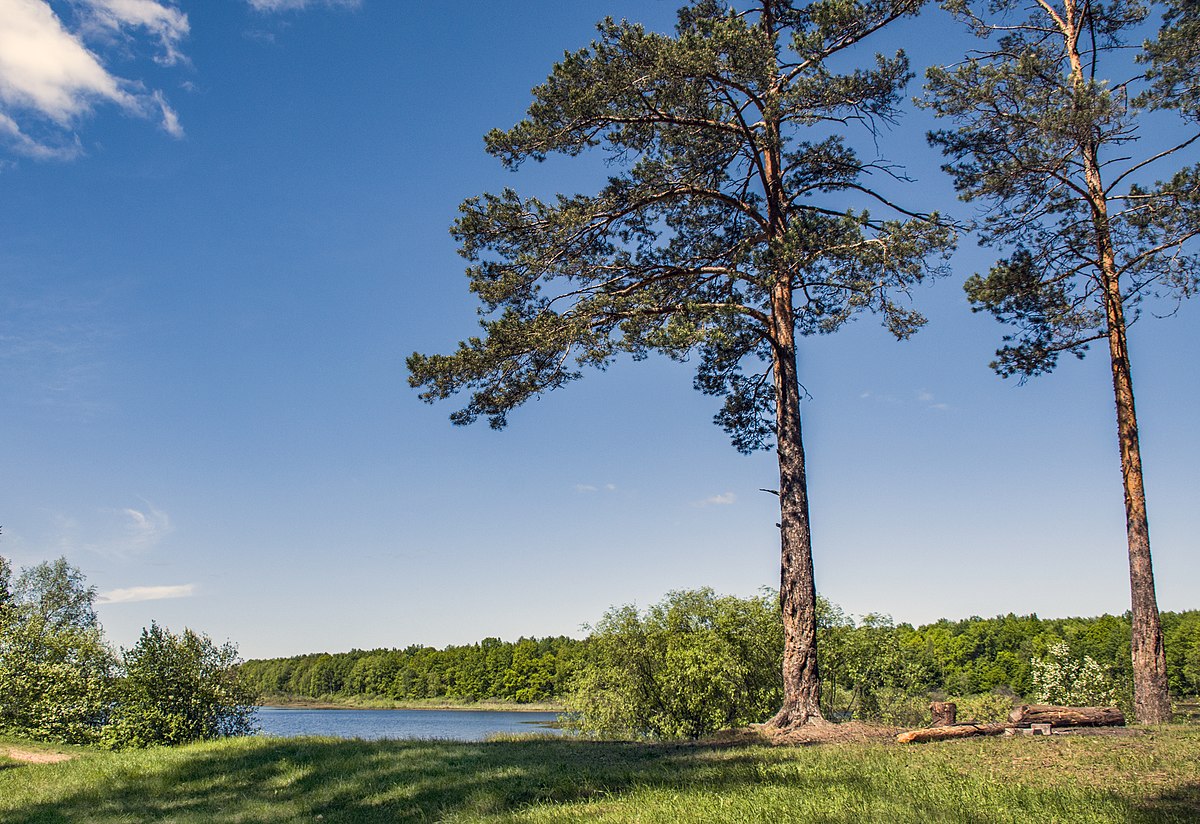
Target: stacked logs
1036, 717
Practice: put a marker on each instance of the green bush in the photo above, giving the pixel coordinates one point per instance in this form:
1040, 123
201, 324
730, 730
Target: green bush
690, 665
59, 680
176, 689
986, 708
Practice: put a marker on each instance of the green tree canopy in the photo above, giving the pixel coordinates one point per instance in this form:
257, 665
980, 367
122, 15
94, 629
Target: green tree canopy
735, 221
55, 668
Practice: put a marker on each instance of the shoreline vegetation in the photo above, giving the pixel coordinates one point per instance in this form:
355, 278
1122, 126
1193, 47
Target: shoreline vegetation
300, 702
634, 672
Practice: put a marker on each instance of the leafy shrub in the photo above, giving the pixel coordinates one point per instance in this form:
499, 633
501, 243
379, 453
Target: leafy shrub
987, 708
59, 680
690, 665
179, 688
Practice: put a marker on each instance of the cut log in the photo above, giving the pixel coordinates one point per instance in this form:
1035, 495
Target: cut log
951, 731
1026, 715
944, 713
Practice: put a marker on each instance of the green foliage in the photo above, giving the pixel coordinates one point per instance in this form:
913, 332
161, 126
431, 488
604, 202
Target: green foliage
529, 670
871, 669
5, 582
1181, 637
692, 664
986, 708
868, 670
58, 594
179, 688
722, 169
59, 680
55, 682
55, 669
1040, 122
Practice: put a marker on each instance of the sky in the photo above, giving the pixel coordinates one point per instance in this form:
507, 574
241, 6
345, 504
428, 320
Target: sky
225, 226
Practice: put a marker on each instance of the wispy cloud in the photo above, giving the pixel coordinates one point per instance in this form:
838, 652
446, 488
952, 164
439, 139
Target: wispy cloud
52, 75
298, 5
923, 397
54, 342
588, 488
130, 595
113, 533
724, 499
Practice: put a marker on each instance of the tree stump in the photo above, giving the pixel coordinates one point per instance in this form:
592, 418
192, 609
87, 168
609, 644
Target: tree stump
944, 713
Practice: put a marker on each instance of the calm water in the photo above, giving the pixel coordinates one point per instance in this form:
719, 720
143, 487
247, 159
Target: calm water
457, 725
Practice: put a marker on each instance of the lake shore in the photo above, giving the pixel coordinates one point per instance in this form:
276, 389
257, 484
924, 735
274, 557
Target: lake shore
302, 703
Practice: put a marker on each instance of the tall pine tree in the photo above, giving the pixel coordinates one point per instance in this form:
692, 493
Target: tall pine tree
1047, 137
725, 234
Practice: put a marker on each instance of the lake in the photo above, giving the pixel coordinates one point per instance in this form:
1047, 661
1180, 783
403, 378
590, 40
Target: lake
456, 725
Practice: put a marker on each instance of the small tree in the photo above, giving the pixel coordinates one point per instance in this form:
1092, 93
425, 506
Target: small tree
55, 668
1049, 145
725, 233
179, 688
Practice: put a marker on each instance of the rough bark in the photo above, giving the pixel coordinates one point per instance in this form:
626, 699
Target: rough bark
797, 589
1025, 715
1151, 699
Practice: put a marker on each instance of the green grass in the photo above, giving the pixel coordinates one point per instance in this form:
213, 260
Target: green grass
1151, 778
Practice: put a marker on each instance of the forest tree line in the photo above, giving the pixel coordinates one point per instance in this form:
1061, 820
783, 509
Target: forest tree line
860, 660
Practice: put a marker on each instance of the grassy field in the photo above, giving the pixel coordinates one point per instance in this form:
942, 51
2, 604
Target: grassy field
1147, 778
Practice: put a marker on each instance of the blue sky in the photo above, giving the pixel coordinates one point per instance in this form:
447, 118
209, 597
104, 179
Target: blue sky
225, 226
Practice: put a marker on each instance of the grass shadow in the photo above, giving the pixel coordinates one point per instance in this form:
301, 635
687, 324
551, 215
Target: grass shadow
268, 780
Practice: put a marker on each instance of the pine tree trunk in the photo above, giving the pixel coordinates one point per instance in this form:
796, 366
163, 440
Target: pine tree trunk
797, 589
1151, 699
1152, 702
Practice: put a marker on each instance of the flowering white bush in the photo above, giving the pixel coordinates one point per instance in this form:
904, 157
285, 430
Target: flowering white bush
1060, 678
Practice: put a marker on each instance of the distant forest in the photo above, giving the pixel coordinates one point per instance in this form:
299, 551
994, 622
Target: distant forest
957, 658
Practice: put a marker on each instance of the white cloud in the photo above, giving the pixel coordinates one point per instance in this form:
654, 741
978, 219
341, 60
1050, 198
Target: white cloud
170, 120
51, 76
113, 533
298, 5
130, 595
724, 499
165, 22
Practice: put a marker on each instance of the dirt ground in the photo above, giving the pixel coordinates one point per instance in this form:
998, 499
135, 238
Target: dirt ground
847, 732
35, 757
